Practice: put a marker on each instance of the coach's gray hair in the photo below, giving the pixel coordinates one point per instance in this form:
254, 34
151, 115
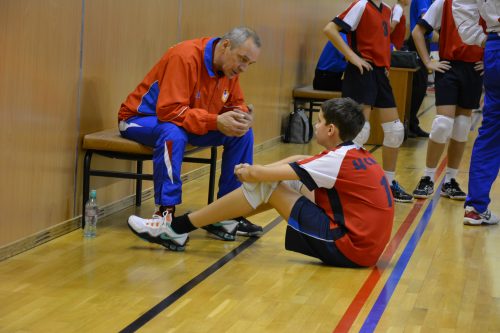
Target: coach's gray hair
239, 35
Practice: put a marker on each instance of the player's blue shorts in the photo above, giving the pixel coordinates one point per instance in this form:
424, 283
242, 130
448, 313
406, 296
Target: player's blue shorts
308, 232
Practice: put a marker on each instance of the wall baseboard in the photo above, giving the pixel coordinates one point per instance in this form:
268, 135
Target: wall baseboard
73, 224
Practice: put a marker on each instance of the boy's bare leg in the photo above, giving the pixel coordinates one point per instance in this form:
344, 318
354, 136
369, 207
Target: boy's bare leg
283, 199
235, 204
455, 152
227, 207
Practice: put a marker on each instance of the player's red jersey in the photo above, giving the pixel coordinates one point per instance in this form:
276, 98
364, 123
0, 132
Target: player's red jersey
451, 47
368, 30
353, 191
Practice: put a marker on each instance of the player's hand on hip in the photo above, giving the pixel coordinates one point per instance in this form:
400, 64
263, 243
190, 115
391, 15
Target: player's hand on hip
361, 63
479, 67
438, 66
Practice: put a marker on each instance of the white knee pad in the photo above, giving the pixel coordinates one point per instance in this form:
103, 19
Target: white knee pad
461, 128
394, 134
295, 185
363, 135
258, 193
441, 129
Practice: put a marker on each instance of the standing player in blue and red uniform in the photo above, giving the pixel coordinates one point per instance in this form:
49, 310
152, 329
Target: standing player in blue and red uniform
458, 91
485, 159
342, 215
367, 24
330, 68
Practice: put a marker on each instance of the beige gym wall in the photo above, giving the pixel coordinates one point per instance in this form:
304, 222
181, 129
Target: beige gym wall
66, 65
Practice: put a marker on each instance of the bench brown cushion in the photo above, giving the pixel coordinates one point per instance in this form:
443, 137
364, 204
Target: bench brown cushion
111, 140
309, 92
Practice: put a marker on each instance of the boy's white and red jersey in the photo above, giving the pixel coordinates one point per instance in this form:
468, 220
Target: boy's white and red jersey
368, 30
442, 18
351, 188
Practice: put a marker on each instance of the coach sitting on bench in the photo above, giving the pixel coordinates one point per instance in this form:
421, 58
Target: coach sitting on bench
192, 95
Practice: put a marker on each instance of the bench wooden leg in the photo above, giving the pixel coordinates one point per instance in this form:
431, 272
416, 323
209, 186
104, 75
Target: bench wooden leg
138, 185
86, 183
213, 167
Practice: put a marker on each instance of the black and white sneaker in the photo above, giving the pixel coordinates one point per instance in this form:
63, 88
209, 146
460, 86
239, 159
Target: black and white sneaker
225, 230
424, 189
452, 190
399, 193
247, 228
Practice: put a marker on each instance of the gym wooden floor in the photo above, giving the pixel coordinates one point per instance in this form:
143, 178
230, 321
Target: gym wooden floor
435, 275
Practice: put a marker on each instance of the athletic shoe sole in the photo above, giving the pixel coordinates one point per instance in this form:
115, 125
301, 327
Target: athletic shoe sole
250, 234
220, 234
163, 242
403, 200
459, 198
421, 196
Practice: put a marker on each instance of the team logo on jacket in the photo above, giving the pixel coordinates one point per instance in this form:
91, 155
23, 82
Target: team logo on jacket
225, 96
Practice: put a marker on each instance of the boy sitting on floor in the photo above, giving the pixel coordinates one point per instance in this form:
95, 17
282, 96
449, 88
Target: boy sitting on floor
342, 216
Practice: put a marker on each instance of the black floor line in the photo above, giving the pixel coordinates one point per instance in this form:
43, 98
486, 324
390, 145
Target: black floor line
424, 111
176, 295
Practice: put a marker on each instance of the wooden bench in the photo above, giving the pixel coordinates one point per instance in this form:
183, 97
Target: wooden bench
311, 99
110, 143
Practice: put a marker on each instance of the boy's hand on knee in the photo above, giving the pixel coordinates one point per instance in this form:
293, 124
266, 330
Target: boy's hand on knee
243, 172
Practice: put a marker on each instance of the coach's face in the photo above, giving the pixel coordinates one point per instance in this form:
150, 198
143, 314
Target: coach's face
236, 60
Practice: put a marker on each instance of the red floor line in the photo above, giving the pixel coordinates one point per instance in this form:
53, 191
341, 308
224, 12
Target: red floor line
364, 292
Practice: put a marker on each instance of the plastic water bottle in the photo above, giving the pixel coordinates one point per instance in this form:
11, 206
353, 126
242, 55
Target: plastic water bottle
91, 212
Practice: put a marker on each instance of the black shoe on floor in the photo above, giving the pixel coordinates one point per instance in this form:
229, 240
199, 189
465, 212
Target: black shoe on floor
420, 133
225, 230
399, 193
247, 228
424, 189
452, 190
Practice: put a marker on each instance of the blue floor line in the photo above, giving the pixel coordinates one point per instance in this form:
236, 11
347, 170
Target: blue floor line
385, 295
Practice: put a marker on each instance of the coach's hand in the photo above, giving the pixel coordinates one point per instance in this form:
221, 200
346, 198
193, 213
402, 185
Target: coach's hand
233, 123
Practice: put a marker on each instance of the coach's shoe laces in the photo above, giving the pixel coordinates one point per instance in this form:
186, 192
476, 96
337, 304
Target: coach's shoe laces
472, 217
224, 230
399, 193
424, 189
452, 190
158, 230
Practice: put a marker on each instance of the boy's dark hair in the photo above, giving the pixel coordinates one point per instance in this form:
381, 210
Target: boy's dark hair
346, 115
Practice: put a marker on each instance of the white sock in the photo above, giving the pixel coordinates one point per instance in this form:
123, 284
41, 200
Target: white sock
431, 172
390, 176
450, 173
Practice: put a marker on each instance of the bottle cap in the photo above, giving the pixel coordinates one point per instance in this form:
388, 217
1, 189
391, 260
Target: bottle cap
93, 194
